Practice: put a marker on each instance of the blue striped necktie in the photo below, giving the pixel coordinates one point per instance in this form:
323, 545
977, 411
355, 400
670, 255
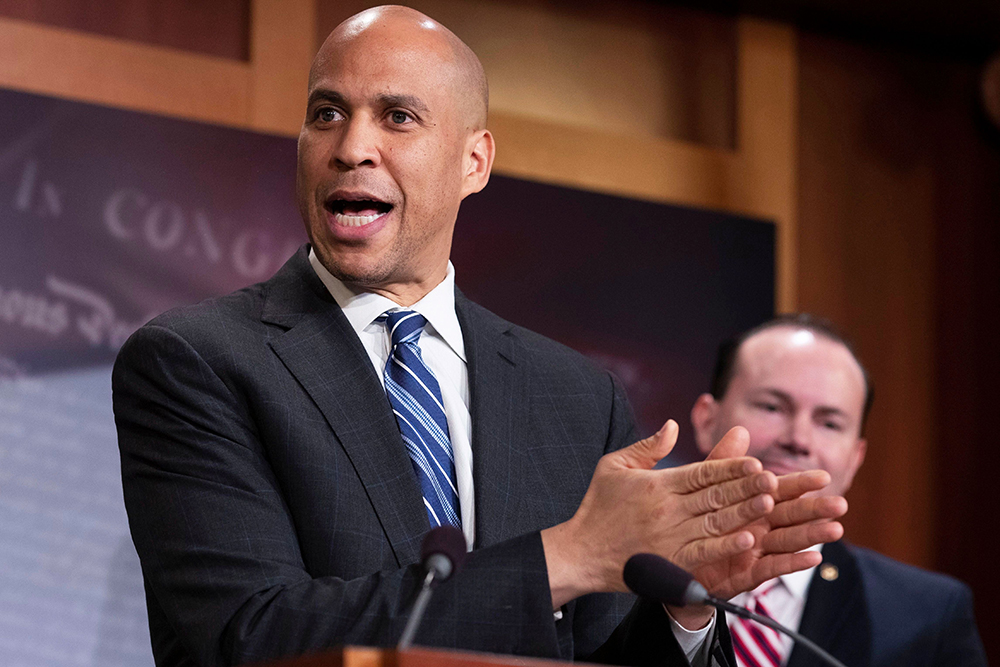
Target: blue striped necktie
415, 397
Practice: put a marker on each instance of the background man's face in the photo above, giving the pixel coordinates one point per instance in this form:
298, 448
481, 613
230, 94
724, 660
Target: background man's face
381, 158
801, 396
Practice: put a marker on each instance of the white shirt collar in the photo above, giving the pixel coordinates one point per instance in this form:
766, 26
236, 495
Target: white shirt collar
362, 308
797, 583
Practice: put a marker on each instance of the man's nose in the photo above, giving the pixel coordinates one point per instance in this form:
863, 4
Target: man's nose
357, 145
799, 435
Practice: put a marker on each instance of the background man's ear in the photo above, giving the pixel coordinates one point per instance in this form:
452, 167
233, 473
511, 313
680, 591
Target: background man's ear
703, 417
857, 458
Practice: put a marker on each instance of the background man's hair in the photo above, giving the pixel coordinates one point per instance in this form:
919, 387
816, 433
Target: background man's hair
726, 358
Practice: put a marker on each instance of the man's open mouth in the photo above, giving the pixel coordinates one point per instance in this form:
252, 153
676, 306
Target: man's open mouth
356, 213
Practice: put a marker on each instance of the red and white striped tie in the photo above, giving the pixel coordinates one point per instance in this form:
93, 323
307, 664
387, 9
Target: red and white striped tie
754, 644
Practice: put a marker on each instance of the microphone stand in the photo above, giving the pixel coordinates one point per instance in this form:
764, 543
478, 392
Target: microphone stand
774, 625
417, 613
443, 552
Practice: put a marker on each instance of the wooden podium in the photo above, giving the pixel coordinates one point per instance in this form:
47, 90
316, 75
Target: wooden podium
360, 656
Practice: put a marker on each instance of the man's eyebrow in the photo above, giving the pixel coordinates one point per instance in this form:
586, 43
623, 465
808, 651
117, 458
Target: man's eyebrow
832, 411
778, 394
388, 100
829, 410
326, 95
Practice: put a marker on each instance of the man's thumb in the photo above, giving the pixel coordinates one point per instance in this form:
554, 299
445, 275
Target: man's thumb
645, 453
734, 444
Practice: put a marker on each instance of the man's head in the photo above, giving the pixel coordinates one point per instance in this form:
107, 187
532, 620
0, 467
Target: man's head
797, 386
394, 138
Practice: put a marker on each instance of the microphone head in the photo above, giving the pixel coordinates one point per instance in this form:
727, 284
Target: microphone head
654, 577
443, 551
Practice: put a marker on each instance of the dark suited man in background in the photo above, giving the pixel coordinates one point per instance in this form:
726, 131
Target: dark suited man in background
796, 385
285, 448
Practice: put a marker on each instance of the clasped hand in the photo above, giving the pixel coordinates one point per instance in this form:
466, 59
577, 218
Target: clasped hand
725, 519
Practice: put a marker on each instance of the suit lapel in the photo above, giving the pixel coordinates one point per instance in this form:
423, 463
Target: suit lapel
322, 352
835, 615
498, 384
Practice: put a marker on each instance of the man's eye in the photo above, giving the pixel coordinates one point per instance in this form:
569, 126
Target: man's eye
768, 407
833, 426
327, 115
399, 117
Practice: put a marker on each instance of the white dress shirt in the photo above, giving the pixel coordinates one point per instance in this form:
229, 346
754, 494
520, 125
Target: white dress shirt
442, 348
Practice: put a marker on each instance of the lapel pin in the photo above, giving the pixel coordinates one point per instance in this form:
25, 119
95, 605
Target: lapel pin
829, 572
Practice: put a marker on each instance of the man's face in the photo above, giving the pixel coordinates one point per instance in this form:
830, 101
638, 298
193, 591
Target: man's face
800, 396
384, 159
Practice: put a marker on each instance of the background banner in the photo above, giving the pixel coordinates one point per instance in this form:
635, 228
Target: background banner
108, 217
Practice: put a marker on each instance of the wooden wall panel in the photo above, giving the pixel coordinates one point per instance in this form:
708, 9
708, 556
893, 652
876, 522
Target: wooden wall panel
216, 28
634, 68
899, 243
267, 94
968, 356
866, 252
282, 48
765, 182
81, 66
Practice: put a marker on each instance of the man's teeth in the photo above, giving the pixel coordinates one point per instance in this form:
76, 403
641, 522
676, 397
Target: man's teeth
349, 220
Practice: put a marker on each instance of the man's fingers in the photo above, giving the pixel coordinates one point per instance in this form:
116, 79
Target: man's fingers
797, 538
697, 476
795, 484
804, 510
734, 444
644, 454
709, 550
769, 567
728, 494
734, 517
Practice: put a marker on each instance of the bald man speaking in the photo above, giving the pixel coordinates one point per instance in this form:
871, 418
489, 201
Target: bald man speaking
285, 448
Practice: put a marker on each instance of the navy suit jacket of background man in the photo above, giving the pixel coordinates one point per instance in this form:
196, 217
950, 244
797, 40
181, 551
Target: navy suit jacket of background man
877, 612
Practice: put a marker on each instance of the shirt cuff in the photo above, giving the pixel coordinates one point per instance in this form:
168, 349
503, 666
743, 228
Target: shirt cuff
691, 641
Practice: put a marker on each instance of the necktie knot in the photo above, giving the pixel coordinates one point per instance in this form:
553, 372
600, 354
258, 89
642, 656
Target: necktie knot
766, 588
405, 326
763, 598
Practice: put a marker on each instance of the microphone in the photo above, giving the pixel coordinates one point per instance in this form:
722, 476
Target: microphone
651, 576
441, 554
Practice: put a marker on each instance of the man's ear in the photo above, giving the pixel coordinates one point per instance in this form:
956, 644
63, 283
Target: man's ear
477, 162
857, 458
703, 416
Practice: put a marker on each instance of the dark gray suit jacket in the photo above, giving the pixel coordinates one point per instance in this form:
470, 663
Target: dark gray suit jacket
879, 612
275, 510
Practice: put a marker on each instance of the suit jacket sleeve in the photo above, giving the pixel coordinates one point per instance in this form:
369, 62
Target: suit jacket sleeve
959, 642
